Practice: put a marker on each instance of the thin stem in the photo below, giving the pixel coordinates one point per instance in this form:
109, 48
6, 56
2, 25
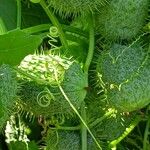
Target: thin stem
18, 14
132, 142
98, 120
55, 23
75, 30
126, 132
44, 28
83, 128
91, 45
68, 29
38, 28
146, 133
86, 69
75, 110
67, 128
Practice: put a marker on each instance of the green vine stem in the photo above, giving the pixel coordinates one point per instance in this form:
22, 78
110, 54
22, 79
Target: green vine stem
83, 127
18, 14
75, 110
37, 28
91, 44
146, 134
55, 23
75, 30
71, 33
131, 141
98, 120
133, 124
67, 128
80, 117
66, 28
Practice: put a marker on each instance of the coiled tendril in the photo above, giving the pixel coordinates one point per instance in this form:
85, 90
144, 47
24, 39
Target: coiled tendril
53, 34
45, 97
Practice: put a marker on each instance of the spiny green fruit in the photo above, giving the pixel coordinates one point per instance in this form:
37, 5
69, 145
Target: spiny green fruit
47, 100
8, 90
125, 74
43, 67
111, 129
122, 19
113, 126
75, 7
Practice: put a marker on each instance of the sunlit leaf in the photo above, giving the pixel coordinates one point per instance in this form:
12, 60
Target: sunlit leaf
15, 45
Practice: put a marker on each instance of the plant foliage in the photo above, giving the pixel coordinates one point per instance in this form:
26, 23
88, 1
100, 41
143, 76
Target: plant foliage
74, 75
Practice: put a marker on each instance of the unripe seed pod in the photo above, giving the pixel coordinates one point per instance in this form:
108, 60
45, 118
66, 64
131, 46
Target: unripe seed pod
47, 99
67, 7
125, 72
44, 66
122, 19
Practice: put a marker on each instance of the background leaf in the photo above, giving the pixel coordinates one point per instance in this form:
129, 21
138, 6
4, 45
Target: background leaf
33, 15
8, 13
15, 45
20, 145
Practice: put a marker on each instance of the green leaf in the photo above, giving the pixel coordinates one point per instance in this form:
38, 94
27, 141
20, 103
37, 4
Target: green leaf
20, 145
17, 146
15, 45
74, 84
32, 145
31, 16
66, 140
8, 13
63, 140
